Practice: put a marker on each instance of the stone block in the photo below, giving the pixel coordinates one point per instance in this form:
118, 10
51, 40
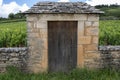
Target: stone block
34, 68
56, 17
14, 54
37, 44
30, 24
32, 17
91, 31
3, 65
42, 24
88, 23
30, 43
93, 17
14, 59
84, 39
81, 17
43, 31
80, 56
45, 44
38, 35
44, 62
33, 30
3, 59
92, 55
92, 65
115, 54
95, 24
91, 47
37, 66
34, 35
95, 40
80, 28
42, 35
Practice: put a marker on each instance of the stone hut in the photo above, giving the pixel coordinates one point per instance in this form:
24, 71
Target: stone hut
61, 36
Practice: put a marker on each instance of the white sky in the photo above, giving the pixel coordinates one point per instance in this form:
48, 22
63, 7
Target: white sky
12, 7
63, 1
98, 2
1, 2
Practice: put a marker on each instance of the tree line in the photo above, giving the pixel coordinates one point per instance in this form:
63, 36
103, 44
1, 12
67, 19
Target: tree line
18, 15
108, 6
112, 12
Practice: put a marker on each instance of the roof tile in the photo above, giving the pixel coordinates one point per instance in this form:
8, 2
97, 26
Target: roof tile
62, 7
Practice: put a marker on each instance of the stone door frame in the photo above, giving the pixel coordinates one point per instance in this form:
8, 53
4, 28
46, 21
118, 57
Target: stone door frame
38, 37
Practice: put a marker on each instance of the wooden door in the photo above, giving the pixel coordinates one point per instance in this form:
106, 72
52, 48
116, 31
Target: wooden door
62, 45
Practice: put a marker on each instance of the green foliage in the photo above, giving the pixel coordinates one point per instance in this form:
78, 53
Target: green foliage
1, 18
109, 32
76, 74
12, 21
112, 12
18, 15
11, 16
13, 34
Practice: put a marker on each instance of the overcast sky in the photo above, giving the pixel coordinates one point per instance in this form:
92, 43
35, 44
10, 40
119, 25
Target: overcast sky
13, 6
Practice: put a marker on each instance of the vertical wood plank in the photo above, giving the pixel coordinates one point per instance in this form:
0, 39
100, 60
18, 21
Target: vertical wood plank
62, 45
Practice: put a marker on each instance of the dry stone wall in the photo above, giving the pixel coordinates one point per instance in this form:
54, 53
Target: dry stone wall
105, 57
13, 57
110, 56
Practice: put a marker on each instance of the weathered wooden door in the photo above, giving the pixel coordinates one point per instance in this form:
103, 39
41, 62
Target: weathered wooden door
62, 45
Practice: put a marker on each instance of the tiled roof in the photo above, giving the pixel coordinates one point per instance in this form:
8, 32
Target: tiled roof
62, 7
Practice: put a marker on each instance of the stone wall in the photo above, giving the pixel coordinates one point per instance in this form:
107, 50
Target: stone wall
87, 37
110, 56
106, 57
88, 31
13, 57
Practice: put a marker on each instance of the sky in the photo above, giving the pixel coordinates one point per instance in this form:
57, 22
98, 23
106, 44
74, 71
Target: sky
14, 6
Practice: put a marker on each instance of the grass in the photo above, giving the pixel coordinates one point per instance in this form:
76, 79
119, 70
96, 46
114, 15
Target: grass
76, 74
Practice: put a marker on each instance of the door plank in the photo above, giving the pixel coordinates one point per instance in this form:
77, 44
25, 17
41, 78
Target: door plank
62, 45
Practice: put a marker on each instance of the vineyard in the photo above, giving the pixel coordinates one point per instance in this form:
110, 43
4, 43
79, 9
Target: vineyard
13, 34
109, 33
